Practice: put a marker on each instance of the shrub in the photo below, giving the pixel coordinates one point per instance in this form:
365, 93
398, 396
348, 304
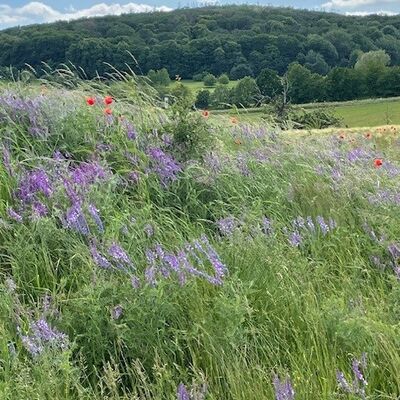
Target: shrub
223, 79
203, 99
209, 80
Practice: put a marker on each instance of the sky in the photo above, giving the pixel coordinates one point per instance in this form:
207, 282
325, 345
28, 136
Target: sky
24, 12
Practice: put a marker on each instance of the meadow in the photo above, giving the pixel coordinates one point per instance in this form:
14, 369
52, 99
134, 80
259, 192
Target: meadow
156, 254
354, 114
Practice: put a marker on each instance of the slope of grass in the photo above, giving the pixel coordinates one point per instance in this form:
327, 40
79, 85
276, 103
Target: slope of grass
128, 269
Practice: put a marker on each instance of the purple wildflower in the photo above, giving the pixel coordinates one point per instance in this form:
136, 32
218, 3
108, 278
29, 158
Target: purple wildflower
163, 165
39, 209
43, 336
135, 282
323, 225
119, 255
227, 225
34, 182
98, 258
182, 393
283, 388
14, 215
295, 238
94, 212
116, 312
87, 173
76, 220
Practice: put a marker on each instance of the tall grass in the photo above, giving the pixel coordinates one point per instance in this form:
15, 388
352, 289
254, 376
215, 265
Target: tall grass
303, 310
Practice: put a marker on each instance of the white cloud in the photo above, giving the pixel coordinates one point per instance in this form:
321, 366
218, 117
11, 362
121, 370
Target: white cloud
354, 3
365, 13
37, 12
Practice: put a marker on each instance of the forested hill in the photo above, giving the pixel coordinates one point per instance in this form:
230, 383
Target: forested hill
238, 40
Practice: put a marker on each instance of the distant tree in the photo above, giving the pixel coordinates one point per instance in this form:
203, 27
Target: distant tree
160, 77
222, 96
315, 62
209, 80
305, 87
269, 83
373, 60
203, 99
223, 79
240, 71
182, 96
246, 92
371, 66
343, 84
199, 77
389, 82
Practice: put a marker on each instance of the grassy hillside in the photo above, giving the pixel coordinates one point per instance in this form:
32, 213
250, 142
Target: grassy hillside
146, 254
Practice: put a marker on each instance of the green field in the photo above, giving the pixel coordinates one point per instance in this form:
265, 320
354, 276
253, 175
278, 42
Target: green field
197, 86
363, 113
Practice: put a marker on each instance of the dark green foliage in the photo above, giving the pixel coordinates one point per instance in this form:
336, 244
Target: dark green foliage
223, 79
269, 83
203, 99
246, 92
240, 40
160, 77
209, 80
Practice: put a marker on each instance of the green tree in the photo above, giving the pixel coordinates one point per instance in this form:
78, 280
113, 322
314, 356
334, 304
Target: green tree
269, 83
221, 96
304, 86
223, 79
240, 71
246, 92
209, 80
203, 99
160, 77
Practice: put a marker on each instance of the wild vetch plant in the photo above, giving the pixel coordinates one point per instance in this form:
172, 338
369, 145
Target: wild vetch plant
178, 246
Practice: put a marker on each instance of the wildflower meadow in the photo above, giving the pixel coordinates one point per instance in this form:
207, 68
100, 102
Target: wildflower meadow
151, 253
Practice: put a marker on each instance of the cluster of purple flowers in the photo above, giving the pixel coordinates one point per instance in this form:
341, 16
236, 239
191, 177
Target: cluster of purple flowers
164, 165
283, 388
25, 111
43, 337
196, 392
227, 225
304, 227
359, 384
116, 257
193, 260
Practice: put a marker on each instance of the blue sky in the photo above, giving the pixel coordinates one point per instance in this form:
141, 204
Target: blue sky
23, 12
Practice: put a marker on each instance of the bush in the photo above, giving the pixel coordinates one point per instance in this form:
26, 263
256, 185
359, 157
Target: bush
210, 80
246, 92
223, 79
203, 99
199, 77
240, 71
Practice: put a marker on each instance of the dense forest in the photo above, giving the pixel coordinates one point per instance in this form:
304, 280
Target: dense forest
237, 40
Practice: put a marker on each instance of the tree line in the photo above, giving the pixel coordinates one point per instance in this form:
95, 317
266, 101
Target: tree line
370, 77
237, 40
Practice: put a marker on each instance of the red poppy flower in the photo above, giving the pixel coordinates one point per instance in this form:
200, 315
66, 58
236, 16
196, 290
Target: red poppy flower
342, 136
108, 100
368, 135
378, 162
108, 111
205, 113
90, 101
